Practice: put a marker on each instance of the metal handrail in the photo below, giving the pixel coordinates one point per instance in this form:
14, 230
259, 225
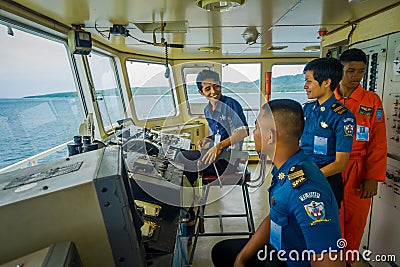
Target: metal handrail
33, 160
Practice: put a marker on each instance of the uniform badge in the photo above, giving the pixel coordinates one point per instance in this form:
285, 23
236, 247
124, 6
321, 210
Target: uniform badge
273, 201
324, 124
364, 110
322, 109
379, 112
349, 130
339, 109
316, 211
296, 176
281, 175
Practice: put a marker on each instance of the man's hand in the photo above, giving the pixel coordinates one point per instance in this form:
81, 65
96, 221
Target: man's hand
203, 143
239, 262
212, 154
369, 188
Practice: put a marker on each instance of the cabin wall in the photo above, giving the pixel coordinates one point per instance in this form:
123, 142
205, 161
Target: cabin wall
373, 27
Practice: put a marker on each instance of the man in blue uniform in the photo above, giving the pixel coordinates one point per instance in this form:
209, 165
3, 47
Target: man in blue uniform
303, 223
328, 132
228, 127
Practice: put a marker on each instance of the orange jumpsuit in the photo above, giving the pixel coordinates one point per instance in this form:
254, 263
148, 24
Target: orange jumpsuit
367, 160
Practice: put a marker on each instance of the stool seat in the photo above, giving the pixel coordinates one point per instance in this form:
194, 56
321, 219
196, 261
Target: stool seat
238, 178
235, 178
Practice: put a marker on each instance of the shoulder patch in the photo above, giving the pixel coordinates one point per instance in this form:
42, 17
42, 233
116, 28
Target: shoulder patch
338, 108
316, 211
379, 112
296, 176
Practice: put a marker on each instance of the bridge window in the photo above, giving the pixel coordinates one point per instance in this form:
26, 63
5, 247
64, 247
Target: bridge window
107, 91
39, 105
152, 92
242, 82
288, 82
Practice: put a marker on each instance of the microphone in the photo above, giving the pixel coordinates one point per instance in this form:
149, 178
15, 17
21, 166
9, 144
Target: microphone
167, 73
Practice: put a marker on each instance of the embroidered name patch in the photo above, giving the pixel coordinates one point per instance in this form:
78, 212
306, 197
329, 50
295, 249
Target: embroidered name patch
364, 110
309, 195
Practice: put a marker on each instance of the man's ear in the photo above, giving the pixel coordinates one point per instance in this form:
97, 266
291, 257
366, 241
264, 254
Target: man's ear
200, 92
328, 82
270, 137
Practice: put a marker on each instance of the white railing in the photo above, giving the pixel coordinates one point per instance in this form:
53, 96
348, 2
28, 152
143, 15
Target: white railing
31, 161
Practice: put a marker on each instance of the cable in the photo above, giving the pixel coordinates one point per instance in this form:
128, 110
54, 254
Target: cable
167, 71
353, 27
262, 175
101, 32
139, 40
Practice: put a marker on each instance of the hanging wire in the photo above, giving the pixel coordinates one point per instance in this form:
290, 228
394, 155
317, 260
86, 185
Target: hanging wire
353, 28
102, 32
257, 182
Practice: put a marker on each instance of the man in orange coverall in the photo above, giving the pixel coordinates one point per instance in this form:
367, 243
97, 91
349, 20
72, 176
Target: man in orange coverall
367, 164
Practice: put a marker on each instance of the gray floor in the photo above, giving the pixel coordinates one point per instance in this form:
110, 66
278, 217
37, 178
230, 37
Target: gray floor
232, 202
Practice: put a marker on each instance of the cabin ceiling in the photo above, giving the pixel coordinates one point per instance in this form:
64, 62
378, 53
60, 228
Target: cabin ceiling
291, 23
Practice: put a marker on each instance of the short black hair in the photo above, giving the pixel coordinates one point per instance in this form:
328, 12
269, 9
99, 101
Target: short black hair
206, 74
288, 116
324, 69
353, 54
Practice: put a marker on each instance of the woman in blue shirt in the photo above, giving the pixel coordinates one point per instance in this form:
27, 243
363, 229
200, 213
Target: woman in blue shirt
328, 132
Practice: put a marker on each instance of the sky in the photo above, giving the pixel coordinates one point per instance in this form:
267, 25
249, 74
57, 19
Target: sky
32, 65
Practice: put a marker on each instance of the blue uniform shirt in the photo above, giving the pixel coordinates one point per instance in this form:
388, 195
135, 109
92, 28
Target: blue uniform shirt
227, 117
303, 210
328, 129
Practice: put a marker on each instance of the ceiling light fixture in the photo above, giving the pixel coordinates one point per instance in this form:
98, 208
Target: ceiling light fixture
312, 48
219, 6
356, 1
250, 35
276, 47
208, 49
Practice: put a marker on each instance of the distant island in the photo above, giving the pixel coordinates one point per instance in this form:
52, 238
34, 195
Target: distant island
286, 83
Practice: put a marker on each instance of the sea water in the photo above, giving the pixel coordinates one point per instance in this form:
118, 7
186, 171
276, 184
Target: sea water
33, 125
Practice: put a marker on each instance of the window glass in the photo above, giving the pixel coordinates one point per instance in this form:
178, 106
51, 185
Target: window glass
242, 82
107, 92
288, 82
196, 102
39, 106
152, 92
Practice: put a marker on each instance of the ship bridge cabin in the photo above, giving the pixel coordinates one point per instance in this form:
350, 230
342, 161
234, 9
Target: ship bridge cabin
95, 93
